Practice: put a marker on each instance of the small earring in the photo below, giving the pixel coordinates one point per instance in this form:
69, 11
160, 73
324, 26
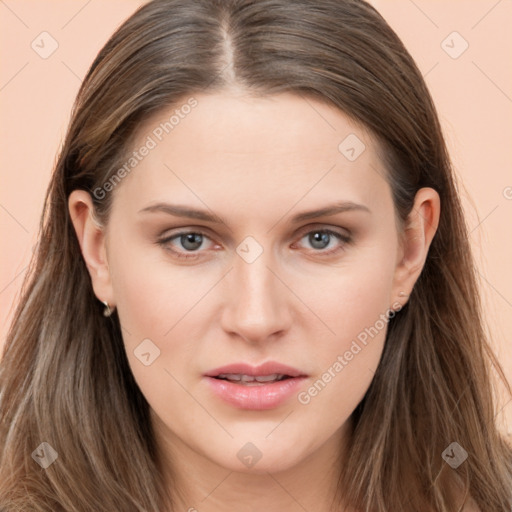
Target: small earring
403, 294
107, 311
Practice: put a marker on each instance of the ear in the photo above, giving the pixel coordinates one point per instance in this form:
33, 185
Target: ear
91, 237
419, 230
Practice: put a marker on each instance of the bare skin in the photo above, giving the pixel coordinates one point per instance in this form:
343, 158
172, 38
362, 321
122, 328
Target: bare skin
255, 163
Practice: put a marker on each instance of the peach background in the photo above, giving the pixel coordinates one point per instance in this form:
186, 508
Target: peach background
473, 94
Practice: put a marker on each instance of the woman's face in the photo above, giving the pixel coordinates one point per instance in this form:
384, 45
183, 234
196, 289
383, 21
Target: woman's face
270, 282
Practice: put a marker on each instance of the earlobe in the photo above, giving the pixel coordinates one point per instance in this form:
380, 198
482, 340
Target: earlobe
91, 238
419, 231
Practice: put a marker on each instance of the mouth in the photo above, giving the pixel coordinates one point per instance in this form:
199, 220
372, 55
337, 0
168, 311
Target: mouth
266, 386
252, 380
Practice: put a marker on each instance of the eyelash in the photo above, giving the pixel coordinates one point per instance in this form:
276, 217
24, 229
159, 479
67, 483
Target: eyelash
345, 239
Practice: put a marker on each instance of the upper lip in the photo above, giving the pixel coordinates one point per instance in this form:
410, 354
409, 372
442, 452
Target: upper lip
268, 368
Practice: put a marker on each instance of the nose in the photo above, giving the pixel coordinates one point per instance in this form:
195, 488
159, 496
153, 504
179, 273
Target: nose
258, 304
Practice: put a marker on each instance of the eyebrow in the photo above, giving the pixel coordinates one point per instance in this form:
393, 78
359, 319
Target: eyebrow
185, 211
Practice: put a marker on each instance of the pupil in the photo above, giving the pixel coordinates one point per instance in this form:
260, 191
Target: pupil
320, 237
194, 238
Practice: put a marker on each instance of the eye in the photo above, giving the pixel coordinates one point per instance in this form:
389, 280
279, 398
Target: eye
190, 241
320, 239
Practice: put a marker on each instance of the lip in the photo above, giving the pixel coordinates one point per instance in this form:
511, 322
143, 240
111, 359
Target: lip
267, 368
257, 397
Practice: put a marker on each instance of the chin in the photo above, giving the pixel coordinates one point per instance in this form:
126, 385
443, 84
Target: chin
256, 457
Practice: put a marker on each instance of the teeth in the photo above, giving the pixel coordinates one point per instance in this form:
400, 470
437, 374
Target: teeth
250, 378
268, 378
229, 376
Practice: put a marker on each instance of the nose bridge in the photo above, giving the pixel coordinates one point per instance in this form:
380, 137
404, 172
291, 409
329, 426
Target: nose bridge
257, 303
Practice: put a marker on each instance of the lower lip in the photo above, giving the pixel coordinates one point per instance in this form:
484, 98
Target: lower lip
257, 397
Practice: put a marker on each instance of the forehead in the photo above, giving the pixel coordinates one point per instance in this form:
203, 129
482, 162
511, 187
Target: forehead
281, 145
231, 122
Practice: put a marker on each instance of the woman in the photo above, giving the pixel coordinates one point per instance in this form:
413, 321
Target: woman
318, 346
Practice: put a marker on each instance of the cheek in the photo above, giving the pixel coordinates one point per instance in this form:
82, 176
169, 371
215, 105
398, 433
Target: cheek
352, 297
153, 312
152, 295
160, 307
354, 308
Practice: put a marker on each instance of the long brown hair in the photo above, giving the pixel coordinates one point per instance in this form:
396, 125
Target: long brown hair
64, 375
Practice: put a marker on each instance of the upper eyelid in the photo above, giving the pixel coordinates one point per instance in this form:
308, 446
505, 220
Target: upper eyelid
204, 230
323, 227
